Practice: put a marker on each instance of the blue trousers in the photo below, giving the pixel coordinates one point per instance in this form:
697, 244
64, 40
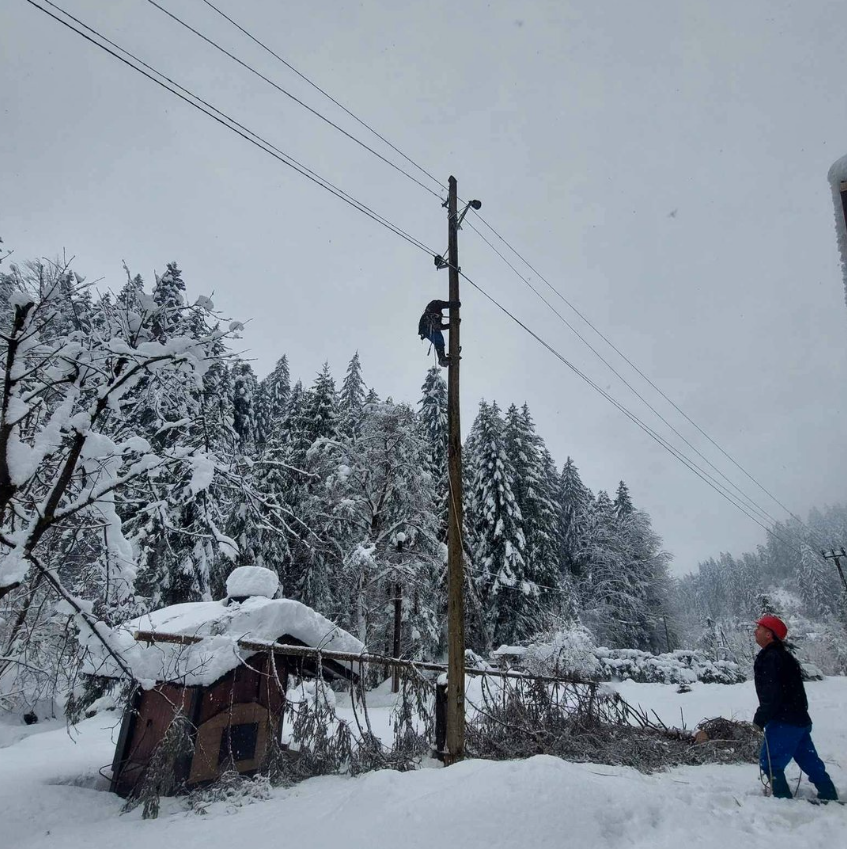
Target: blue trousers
437, 339
782, 743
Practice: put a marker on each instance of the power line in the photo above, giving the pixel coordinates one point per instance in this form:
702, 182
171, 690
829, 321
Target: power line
704, 476
635, 368
229, 122
808, 529
326, 94
750, 501
288, 94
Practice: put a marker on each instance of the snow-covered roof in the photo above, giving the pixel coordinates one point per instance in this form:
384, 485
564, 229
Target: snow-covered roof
838, 175
220, 625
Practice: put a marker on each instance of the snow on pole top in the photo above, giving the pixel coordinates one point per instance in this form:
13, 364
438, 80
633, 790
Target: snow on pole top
246, 581
837, 179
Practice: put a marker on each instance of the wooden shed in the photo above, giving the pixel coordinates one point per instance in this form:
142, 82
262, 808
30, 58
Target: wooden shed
227, 699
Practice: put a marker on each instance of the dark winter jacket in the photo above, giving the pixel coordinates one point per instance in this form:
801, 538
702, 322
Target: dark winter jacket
779, 686
431, 320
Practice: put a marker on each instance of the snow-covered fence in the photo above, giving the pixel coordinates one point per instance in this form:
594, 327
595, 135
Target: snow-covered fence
509, 714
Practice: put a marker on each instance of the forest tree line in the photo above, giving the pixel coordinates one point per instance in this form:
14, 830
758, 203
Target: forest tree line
787, 575
141, 459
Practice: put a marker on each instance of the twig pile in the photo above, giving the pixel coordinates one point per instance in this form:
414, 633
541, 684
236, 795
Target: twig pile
587, 724
722, 740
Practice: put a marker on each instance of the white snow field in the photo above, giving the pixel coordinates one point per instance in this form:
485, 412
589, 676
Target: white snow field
52, 795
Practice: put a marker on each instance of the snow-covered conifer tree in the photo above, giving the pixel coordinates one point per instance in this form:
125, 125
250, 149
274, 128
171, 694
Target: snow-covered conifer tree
432, 424
243, 404
351, 398
623, 503
535, 492
169, 297
574, 500
321, 413
645, 582
497, 539
272, 401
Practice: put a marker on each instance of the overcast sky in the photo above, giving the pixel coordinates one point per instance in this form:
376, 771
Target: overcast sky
663, 164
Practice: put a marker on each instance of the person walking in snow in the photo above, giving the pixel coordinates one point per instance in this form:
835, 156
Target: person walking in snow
783, 714
431, 325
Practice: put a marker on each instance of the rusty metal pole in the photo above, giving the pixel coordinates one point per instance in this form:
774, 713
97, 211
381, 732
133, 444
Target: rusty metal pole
398, 614
455, 565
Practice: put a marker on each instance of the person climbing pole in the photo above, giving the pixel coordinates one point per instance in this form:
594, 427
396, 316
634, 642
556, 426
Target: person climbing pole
783, 714
431, 325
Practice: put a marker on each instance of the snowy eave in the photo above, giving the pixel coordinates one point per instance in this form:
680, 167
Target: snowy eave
219, 626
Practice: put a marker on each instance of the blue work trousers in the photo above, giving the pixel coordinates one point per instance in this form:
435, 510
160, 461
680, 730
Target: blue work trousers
782, 743
437, 339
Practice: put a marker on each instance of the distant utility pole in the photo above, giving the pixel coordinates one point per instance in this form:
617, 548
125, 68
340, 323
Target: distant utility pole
836, 555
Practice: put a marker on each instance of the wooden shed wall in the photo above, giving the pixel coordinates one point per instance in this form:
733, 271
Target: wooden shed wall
248, 695
145, 724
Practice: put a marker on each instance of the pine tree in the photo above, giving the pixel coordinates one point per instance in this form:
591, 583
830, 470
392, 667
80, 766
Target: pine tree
767, 605
169, 297
623, 503
574, 501
272, 401
132, 296
535, 491
628, 587
646, 585
243, 404
281, 540
432, 426
321, 413
351, 398
496, 528
312, 416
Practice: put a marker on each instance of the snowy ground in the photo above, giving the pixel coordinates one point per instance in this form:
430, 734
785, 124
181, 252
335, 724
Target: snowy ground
52, 795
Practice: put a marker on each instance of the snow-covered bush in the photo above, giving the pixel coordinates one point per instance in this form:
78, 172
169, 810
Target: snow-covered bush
567, 652
677, 667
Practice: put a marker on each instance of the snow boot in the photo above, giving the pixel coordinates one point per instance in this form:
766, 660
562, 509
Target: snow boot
826, 791
779, 786
443, 359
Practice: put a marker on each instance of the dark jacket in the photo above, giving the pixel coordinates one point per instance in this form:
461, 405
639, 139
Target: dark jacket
431, 320
779, 686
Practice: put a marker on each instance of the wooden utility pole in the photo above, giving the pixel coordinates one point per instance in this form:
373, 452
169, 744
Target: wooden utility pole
455, 564
836, 555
